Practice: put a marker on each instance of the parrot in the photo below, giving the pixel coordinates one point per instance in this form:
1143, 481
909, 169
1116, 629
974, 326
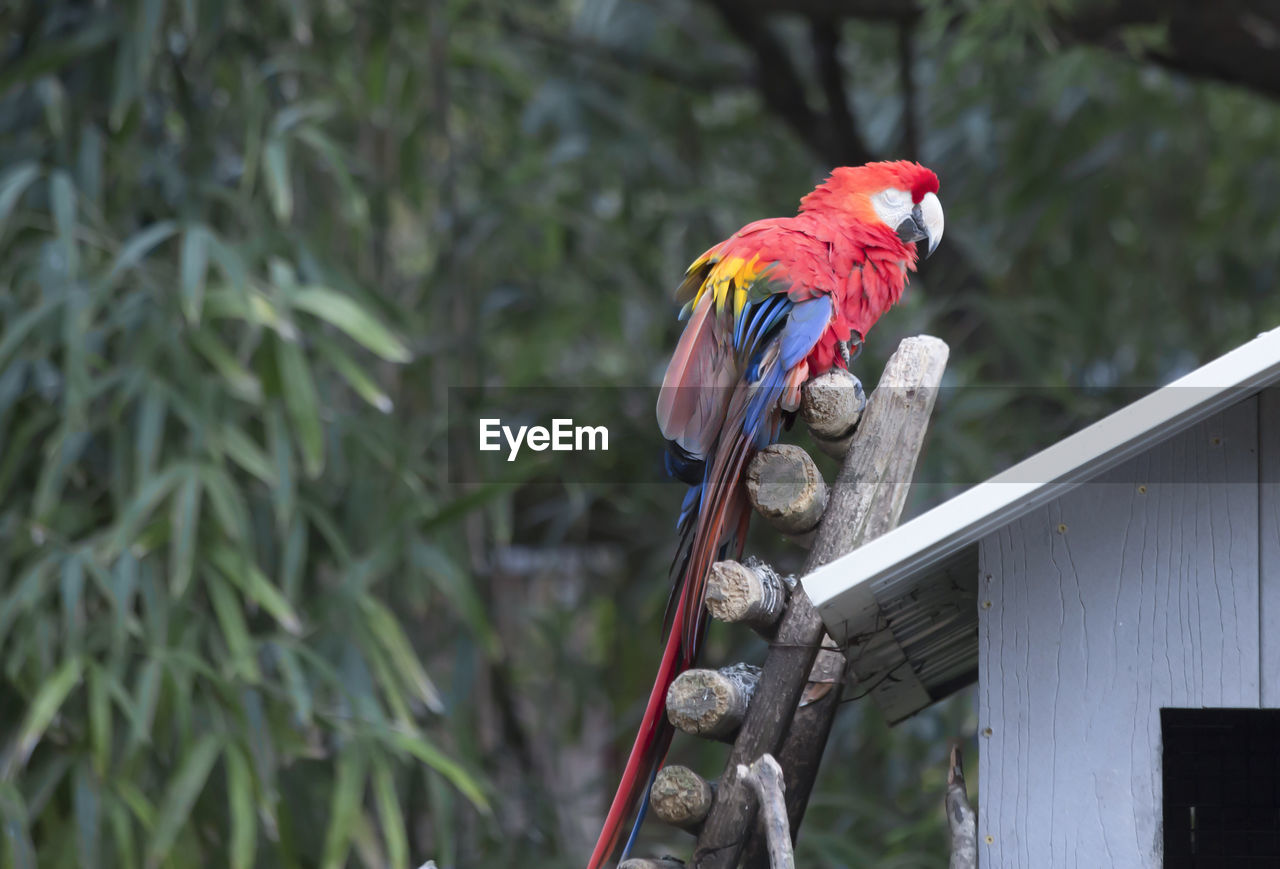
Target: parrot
778, 302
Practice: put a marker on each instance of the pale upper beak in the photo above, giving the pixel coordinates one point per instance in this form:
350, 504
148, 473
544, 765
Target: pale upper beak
925, 223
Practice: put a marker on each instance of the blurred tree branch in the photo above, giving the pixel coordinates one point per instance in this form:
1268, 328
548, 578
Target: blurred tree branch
848, 145
870, 10
907, 81
623, 58
1236, 42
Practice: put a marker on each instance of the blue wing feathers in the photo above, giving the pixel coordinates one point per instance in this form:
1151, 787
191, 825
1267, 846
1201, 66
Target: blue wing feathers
771, 364
804, 327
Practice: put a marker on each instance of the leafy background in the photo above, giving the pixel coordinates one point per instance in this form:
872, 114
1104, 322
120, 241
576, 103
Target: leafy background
246, 249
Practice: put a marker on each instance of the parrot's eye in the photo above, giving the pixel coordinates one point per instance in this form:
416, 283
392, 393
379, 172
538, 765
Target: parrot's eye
894, 198
892, 206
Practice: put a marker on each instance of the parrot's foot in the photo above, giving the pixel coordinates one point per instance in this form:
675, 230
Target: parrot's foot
848, 355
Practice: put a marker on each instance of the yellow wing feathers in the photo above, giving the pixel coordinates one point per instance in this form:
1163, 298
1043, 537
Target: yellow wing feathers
728, 279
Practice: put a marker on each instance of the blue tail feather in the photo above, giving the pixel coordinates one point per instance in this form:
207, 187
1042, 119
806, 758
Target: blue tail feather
644, 808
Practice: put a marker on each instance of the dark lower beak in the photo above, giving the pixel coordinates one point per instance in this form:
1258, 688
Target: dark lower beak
912, 229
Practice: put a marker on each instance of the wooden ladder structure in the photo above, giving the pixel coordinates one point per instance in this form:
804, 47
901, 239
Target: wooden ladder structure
779, 716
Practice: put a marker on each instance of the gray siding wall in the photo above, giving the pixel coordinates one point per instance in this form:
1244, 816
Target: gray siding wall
1125, 595
1269, 543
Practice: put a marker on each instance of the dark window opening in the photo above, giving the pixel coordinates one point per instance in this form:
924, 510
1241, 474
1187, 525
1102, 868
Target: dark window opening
1221, 788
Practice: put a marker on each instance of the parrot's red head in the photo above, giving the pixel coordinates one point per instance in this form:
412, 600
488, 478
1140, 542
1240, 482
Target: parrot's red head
899, 195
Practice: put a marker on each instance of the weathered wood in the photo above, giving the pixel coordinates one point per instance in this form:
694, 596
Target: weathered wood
786, 488
801, 752
751, 594
831, 405
961, 820
1131, 593
711, 703
866, 500
647, 863
680, 797
764, 777
872, 487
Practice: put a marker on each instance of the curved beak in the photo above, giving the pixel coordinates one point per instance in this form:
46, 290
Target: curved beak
924, 224
933, 245
913, 229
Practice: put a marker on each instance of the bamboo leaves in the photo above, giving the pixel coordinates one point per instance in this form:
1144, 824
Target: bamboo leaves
275, 164
194, 409
16, 824
255, 585
194, 261
352, 318
136, 249
348, 794
13, 183
180, 796
40, 714
184, 522
302, 402
389, 813
244, 821
386, 630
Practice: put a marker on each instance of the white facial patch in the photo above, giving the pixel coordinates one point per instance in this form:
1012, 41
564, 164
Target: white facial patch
892, 206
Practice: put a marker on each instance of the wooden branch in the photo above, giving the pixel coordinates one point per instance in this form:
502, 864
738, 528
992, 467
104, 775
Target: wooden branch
872, 487
764, 777
712, 703
867, 500
801, 752
960, 817
645, 863
680, 797
787, 489
831, 406
751, 594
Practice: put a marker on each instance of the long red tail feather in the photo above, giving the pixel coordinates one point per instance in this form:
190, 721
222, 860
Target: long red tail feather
723, 519
649, 749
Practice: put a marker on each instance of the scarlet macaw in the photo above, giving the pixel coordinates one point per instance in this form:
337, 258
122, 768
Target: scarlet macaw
779, 302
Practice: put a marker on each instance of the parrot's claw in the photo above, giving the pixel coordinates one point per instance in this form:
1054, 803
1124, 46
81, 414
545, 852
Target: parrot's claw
856, 340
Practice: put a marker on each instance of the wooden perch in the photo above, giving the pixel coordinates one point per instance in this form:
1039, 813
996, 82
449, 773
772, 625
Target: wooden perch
680, 797
711, 703
787, 489
751, 594
960, 817
764, 777
831, 405
866, 501
660, 863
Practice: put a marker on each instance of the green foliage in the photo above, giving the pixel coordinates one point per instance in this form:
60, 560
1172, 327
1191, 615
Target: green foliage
193, 629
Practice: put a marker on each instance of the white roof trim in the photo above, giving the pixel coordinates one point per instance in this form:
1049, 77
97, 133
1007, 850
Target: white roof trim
836, 588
